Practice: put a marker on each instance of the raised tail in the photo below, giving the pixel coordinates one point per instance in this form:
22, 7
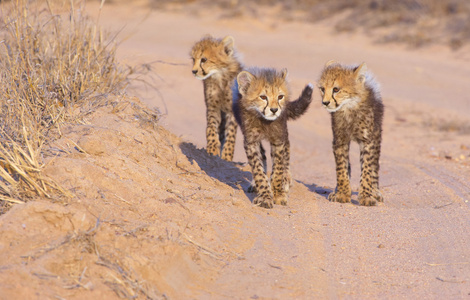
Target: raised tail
298, 107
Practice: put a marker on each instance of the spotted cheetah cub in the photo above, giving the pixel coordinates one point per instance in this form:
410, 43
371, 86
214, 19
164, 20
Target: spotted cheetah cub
353, 99
215, 63
262, 107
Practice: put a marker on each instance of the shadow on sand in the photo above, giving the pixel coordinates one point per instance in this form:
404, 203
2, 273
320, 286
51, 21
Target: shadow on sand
233, 173
230, 173
324, 191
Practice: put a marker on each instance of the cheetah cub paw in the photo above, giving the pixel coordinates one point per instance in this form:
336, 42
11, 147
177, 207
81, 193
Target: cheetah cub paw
378, 196
266, 201
367, 201
337, 197
251, 188
371, 200
280, 199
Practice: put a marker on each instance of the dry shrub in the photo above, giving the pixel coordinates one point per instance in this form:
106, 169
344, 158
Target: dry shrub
53, 68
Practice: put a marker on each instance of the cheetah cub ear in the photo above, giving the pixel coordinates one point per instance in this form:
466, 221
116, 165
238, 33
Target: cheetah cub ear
330, 62
244, 79
228, 43
360, 73
284, 73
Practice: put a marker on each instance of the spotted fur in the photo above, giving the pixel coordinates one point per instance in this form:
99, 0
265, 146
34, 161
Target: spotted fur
262, 107
215, 63
353, 99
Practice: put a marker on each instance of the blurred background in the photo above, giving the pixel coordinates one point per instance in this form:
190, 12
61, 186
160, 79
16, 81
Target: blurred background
413, 22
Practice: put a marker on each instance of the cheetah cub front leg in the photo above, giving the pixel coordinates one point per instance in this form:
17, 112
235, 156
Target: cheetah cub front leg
252, 187
280, 178
260, 183
213, 122
369, 192
343, 188
230, 137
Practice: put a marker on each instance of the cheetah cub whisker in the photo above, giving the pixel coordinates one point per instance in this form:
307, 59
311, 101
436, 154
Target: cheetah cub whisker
353, 99
215, 62
262, 106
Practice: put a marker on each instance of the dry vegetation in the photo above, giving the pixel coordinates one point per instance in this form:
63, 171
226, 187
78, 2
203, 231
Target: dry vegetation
446, 125
54, 69
413, 22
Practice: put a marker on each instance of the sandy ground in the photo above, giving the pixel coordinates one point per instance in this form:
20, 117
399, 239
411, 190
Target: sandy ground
155, 217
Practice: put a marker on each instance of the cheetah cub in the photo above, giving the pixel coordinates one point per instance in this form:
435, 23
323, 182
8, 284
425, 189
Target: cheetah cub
215, 63
262, 107
353, 99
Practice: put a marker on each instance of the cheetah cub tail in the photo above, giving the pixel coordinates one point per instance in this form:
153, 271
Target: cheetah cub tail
298, 107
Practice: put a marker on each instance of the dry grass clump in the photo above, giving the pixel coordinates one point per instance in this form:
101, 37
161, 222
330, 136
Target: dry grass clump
53, 68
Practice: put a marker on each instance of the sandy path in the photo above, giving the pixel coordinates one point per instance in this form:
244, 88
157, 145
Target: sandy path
416, 244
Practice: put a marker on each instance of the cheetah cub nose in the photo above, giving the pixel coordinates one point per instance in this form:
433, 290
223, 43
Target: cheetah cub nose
326, 103
274, 110
194, 72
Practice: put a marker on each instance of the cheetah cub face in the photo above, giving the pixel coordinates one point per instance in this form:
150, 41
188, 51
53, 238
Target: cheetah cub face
341, 88
267, 96
211, 56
